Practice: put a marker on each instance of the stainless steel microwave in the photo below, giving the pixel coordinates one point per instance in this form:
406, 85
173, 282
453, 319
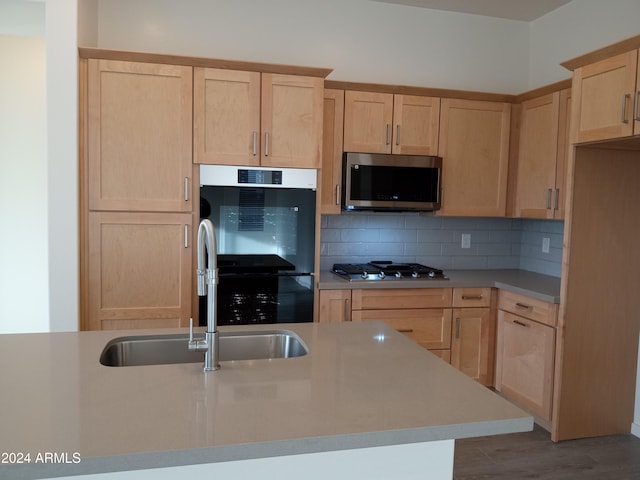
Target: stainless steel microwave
383, 182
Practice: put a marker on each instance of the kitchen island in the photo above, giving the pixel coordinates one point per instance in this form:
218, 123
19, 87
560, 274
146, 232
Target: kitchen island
364, 397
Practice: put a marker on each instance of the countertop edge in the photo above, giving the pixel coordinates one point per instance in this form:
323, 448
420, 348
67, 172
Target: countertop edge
228, 453
536, 285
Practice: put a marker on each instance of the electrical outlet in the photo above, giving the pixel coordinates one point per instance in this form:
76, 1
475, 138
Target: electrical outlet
545, 244
466, 240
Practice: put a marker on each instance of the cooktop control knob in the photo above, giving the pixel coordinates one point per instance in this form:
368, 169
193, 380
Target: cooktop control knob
398, 274
431, 274
365, 274
414, 274
382, 275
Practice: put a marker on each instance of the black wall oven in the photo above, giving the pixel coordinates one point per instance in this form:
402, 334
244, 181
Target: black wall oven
265, 228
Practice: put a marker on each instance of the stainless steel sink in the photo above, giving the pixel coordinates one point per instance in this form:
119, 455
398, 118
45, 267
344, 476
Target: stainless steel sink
166, 349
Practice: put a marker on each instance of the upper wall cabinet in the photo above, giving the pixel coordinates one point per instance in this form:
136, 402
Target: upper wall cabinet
542, 155
606, 98
332, 132
474, 146
249, 118
139, 136
387, 123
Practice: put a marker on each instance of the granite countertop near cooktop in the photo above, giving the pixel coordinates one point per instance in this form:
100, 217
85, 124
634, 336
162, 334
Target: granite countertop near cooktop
536, 285
361, 385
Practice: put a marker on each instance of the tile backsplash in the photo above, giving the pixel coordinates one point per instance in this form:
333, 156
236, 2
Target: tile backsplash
437, 241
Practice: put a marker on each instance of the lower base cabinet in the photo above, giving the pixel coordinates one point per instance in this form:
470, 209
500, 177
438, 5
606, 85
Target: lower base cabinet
457, 325
525, 352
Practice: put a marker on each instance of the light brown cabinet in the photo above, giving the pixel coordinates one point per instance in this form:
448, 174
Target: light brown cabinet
525, 352
542, 155
139, 136
334, 306
426, 316
473, 333
331, 174
606, 98
136, 195
140, 270
252, 118
474, 145
387, 123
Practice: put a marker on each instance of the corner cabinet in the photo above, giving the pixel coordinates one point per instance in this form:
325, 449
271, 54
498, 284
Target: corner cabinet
136, 194
463, 335
474, 145
388, 123
252, 118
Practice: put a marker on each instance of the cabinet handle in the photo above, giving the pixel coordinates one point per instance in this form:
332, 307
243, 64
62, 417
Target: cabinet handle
255, 144
337, 194
266, 144
457, 327
405, 330
186, 189
625, 98
523, 305
472, 297
347, 310
522, 324
548, 198
398, 134
186, 236
556, 196
388, 134
636, 116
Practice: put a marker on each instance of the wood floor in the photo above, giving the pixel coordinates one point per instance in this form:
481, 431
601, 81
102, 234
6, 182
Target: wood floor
532, 455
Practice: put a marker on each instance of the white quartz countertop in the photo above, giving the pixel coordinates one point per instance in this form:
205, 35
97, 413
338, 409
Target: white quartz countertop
360, 385
542, 287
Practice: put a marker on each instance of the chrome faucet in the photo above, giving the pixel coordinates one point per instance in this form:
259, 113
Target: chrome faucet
207, 285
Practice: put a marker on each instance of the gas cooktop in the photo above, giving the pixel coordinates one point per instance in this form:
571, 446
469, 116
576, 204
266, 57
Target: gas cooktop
387, 270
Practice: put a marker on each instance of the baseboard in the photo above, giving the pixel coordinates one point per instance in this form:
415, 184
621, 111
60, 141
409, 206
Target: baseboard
635, 429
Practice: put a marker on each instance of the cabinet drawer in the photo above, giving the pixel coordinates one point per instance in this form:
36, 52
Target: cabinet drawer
431, 328
394, 298
471, 297
528, 307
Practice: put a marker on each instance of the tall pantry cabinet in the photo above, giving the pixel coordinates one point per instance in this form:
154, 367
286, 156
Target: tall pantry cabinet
136, 194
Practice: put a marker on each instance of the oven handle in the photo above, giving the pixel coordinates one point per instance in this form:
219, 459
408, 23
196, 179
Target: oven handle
262, 274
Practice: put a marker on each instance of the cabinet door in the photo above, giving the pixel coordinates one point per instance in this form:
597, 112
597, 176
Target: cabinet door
139, 270
604, 92
562, 158
368, 121
416, 121
538, 150
335, 306
474, 145
429, 327
471, 345
226, 112
139, 136
332, 151
525, 360
292, 108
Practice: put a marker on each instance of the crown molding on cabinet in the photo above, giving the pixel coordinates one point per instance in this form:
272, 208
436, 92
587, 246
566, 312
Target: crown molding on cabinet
88, 52
623, 46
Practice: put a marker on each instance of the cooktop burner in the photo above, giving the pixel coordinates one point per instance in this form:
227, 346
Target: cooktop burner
387, 270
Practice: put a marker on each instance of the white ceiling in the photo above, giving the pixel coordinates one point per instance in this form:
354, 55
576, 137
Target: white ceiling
525, 10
